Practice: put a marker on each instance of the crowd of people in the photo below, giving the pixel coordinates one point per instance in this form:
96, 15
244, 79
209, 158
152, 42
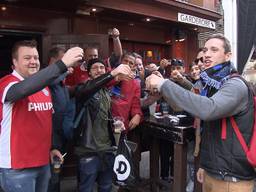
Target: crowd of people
78, 96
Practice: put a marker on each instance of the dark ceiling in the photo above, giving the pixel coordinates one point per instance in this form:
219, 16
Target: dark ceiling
57, 5
71, 7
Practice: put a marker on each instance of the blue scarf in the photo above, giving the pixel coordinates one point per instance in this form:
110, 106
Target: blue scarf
214, 77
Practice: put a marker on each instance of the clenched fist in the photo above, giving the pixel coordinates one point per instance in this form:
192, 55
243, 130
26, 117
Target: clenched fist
115, 33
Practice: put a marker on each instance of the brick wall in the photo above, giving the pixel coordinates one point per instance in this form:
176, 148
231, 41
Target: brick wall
219, 28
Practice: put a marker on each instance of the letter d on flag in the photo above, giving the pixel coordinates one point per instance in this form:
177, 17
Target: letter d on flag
122, 167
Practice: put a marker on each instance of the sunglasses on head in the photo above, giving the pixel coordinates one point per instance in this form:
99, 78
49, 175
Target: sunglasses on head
199, 59
177, 62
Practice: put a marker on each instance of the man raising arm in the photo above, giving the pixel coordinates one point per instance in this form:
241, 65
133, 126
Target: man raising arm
26, 114
222, 158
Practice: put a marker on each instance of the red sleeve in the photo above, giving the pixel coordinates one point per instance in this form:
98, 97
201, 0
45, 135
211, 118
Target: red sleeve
4, 82
70, 80
135, 106
78, 76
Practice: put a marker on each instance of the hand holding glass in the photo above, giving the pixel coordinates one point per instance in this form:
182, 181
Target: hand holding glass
118, 124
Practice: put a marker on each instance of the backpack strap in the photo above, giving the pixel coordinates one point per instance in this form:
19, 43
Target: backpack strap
249, 151
239, 135
224, 128
224, 120
233, 122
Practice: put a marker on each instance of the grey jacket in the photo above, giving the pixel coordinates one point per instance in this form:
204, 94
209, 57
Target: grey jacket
219, 157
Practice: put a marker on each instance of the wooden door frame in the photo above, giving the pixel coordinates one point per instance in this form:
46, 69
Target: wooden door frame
98, 40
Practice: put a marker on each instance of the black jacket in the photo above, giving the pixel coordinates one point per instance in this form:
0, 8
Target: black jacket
85, 96
226, 157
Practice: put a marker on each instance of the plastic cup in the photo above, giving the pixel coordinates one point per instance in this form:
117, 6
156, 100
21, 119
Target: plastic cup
152, 109
165, 108
118, 124
56, 165
118, 127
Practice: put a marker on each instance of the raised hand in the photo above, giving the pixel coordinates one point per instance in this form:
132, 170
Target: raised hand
115, 33
176, 76
164, 63
72, 56
122, 72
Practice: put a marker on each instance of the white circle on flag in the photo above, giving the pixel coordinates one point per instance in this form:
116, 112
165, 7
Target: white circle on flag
122, 167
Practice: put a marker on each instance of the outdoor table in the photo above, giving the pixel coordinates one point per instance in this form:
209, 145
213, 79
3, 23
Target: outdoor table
162, 128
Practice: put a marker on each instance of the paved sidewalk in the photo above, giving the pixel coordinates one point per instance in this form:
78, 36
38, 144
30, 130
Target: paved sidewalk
70, 184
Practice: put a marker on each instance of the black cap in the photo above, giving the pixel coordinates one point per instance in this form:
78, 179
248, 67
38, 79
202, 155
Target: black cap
92, 61
177, 62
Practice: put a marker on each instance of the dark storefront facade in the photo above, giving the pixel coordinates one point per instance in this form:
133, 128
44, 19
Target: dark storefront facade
149, 27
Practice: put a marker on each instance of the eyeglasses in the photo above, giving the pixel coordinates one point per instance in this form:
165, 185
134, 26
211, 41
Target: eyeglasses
98, 67
199, 59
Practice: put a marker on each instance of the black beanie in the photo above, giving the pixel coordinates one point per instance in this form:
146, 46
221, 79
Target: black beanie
92, 61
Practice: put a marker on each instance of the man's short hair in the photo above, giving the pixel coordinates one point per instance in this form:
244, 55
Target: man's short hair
137, 55
127, 54
226, 43
23, 43
90, 47
54, 52
192, 65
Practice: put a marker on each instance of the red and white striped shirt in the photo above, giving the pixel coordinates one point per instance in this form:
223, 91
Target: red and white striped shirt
25, 129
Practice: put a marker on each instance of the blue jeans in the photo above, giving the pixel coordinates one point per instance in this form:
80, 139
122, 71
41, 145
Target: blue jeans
54, 182
25, 180
96, 169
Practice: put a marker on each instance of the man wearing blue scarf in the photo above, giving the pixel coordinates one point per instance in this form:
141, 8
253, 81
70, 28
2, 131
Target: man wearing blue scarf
224, 166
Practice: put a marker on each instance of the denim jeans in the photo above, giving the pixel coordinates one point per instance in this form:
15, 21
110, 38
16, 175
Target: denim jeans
96, 169
54, 182
25, 180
